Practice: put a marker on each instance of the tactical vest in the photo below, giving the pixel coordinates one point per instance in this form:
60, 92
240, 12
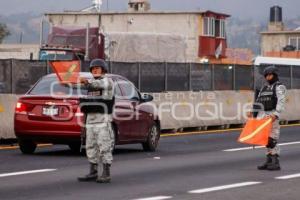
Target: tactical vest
94, 103
267, 97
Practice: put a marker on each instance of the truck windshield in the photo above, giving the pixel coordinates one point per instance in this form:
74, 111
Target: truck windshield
56, 55
74, 40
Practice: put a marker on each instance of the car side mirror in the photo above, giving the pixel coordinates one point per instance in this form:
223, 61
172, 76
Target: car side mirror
147, 98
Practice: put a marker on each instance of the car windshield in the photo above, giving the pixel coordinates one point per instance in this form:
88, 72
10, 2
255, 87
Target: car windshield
51, 86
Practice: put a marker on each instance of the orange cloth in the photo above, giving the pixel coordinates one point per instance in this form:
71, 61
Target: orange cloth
256, 132
66, 71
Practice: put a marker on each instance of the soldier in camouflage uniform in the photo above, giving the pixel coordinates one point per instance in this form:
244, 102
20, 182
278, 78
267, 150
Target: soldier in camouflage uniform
99, 132
271, 99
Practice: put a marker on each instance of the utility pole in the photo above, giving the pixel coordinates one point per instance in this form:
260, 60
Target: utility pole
21, 38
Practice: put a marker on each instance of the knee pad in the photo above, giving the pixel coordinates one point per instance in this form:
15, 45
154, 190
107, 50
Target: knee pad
271, 143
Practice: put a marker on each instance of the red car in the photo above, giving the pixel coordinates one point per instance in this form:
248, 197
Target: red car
50, 113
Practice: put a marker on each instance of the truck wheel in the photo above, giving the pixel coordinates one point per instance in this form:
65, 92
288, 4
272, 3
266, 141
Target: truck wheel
153, 139
27, 146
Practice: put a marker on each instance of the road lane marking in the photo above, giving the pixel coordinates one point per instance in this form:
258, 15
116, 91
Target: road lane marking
259, 147
243, 149
213, 131
9, 148
198, 132
289, 143
223, 187
171, 135
288, 177
1, 108
290, 125
26, 172
17, 147
156, 198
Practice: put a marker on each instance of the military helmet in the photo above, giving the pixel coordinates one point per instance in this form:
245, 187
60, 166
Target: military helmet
99, 63
271, 70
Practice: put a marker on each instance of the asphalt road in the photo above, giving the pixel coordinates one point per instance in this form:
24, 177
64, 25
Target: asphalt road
184, 167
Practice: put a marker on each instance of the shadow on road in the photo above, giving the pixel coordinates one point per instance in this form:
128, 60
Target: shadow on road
61, 151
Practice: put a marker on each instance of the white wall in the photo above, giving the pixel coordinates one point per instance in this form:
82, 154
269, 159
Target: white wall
19, 51
185, 25
181, 24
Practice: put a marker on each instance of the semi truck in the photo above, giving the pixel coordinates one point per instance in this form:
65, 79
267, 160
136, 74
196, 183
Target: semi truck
69, 43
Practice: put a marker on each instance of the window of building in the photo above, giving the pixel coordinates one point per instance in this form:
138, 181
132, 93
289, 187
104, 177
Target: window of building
209, 26
205, 26
136, 7
220, 28
295, 42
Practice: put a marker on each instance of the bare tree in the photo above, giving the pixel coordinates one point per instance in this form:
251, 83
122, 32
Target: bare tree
4, 32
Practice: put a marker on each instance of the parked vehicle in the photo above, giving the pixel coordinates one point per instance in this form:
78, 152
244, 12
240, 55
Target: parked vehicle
50, 113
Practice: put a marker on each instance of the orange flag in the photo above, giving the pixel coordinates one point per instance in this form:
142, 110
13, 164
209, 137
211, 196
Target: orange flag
256, 132
66, 71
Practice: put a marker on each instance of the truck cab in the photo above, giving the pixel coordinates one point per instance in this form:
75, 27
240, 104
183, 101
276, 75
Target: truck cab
71, 44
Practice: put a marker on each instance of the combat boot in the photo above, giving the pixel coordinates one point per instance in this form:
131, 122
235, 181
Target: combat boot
274, 165
105, 178
92, 176
265, 165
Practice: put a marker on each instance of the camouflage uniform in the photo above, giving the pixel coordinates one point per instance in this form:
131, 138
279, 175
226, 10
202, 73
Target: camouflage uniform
271, 100
275, 133
99, 133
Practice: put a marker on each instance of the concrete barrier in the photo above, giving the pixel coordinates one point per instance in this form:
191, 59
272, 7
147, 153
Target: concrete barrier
292, 110
181, 109
202, 109
163, 101
206, 109
7, 107
215, 108
233, 106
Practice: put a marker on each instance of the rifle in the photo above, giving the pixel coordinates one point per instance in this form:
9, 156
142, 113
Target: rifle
83, 135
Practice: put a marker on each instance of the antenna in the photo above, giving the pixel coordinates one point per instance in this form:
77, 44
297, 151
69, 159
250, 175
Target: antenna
96, 6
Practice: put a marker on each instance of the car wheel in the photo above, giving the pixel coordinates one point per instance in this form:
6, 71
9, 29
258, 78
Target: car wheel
75, 147
27, 146
153, 139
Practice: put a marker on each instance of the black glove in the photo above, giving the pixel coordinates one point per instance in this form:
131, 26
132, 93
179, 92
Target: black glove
271, 143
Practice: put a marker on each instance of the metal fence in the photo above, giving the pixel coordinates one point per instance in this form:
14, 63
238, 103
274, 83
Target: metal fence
17, 76
159, 77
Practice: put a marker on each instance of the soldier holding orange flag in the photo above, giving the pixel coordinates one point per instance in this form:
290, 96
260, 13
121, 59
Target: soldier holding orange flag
98, 108
99, 132
271, 99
